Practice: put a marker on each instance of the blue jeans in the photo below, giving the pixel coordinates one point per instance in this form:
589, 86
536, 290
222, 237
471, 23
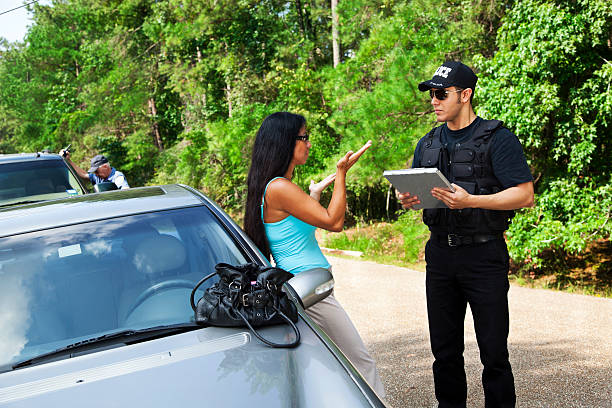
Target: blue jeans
475, 274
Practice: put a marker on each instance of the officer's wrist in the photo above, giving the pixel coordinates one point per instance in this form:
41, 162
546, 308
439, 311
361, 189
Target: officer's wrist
471, 201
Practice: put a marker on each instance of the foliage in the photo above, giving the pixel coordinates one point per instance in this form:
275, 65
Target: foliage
174, 91
567, 217
550, 83
403, 241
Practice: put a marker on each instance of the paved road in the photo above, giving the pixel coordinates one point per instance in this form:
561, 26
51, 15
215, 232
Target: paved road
560, 343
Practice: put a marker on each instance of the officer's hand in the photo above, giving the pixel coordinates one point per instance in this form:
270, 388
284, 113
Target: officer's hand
456, 201
407, 200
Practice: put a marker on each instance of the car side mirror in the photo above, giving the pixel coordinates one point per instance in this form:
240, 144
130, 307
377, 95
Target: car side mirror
104, 186
312, 285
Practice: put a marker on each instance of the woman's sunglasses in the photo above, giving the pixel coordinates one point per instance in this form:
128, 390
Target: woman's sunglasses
441, 94
303, 137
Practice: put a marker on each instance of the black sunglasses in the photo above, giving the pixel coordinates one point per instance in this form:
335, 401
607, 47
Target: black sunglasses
303, 137
441, 94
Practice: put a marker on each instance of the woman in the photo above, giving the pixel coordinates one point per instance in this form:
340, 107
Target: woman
281, 219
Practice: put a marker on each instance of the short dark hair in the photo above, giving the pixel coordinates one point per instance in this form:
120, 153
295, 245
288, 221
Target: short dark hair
471, 96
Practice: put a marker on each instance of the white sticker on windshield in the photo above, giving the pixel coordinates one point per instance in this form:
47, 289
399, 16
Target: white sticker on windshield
69, 250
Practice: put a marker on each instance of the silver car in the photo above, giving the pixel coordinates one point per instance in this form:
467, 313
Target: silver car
31, 177
94, 311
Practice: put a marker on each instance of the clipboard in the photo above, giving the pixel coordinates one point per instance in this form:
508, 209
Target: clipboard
419, 181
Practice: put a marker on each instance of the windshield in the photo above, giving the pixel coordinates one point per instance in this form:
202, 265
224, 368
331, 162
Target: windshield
68, 284
36, 180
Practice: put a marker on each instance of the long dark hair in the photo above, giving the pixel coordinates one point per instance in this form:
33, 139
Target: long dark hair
272, 153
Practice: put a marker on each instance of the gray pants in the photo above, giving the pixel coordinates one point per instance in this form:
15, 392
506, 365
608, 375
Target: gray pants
335, 322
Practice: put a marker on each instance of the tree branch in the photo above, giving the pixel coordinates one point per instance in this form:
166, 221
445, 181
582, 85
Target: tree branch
404, 113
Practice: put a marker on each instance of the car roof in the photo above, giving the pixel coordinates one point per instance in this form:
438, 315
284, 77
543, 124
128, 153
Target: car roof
24, 157
91, 207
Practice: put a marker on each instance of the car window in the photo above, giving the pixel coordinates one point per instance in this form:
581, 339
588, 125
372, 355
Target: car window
67, 284
36, 180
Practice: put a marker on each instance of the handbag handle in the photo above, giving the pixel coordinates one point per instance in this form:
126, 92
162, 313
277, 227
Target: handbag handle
193, 306
268, 342
259, 336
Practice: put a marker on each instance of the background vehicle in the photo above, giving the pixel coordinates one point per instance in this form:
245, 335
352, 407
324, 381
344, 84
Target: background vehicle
95, 311
29, 177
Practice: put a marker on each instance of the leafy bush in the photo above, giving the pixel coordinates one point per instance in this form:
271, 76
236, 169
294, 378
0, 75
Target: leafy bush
175, 94
400, 242
550, 83
567, 217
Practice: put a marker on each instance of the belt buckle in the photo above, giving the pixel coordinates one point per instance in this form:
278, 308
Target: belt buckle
453, 240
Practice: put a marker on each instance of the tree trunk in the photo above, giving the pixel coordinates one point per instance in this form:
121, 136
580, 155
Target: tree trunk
156, 135
198, 54
228, 94
311, 30
335, 37
298, 6
228, 86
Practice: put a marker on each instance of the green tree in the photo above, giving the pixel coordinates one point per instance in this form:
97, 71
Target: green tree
550, 83
174, 90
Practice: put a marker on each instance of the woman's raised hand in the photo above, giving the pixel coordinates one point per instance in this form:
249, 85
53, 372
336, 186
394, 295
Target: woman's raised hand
351, 158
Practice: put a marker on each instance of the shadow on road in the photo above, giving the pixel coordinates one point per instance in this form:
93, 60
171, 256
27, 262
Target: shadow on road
547, 374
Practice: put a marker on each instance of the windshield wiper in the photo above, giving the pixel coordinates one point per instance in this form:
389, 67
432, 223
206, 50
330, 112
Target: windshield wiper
134, 336
21, 202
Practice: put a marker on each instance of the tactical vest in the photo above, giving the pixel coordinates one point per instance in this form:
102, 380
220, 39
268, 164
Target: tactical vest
469, 166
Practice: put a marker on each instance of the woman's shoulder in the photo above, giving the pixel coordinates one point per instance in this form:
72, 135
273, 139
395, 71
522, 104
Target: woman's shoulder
277, 182
281, 187
280, 184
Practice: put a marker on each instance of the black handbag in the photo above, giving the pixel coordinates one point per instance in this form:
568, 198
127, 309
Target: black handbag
247, 295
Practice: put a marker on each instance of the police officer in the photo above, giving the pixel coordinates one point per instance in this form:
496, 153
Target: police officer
99, 172
467, 258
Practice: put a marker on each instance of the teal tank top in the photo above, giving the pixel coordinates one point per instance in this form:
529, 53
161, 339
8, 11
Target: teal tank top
292, 242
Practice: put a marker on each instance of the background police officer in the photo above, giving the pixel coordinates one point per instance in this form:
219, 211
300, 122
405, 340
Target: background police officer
467, 258
99, 172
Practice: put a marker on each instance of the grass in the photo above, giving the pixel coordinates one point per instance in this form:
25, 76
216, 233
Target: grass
402, 243
588, 273
545, 282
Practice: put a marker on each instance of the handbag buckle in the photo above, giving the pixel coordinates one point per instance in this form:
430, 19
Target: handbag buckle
245, 299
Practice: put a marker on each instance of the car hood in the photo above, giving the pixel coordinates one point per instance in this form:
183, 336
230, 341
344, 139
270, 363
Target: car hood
210, 367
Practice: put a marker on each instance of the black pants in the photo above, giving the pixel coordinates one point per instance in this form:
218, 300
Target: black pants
478, 275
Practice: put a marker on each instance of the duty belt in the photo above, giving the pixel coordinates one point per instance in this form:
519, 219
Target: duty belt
454, 240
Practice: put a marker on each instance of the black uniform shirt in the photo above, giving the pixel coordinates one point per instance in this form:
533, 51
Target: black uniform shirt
509, 163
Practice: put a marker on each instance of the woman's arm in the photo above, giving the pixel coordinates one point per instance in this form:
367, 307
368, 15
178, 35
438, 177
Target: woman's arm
285, 198
317, 188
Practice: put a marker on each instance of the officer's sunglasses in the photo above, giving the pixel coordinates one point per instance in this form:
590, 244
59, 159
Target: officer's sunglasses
441, 94
303, 137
